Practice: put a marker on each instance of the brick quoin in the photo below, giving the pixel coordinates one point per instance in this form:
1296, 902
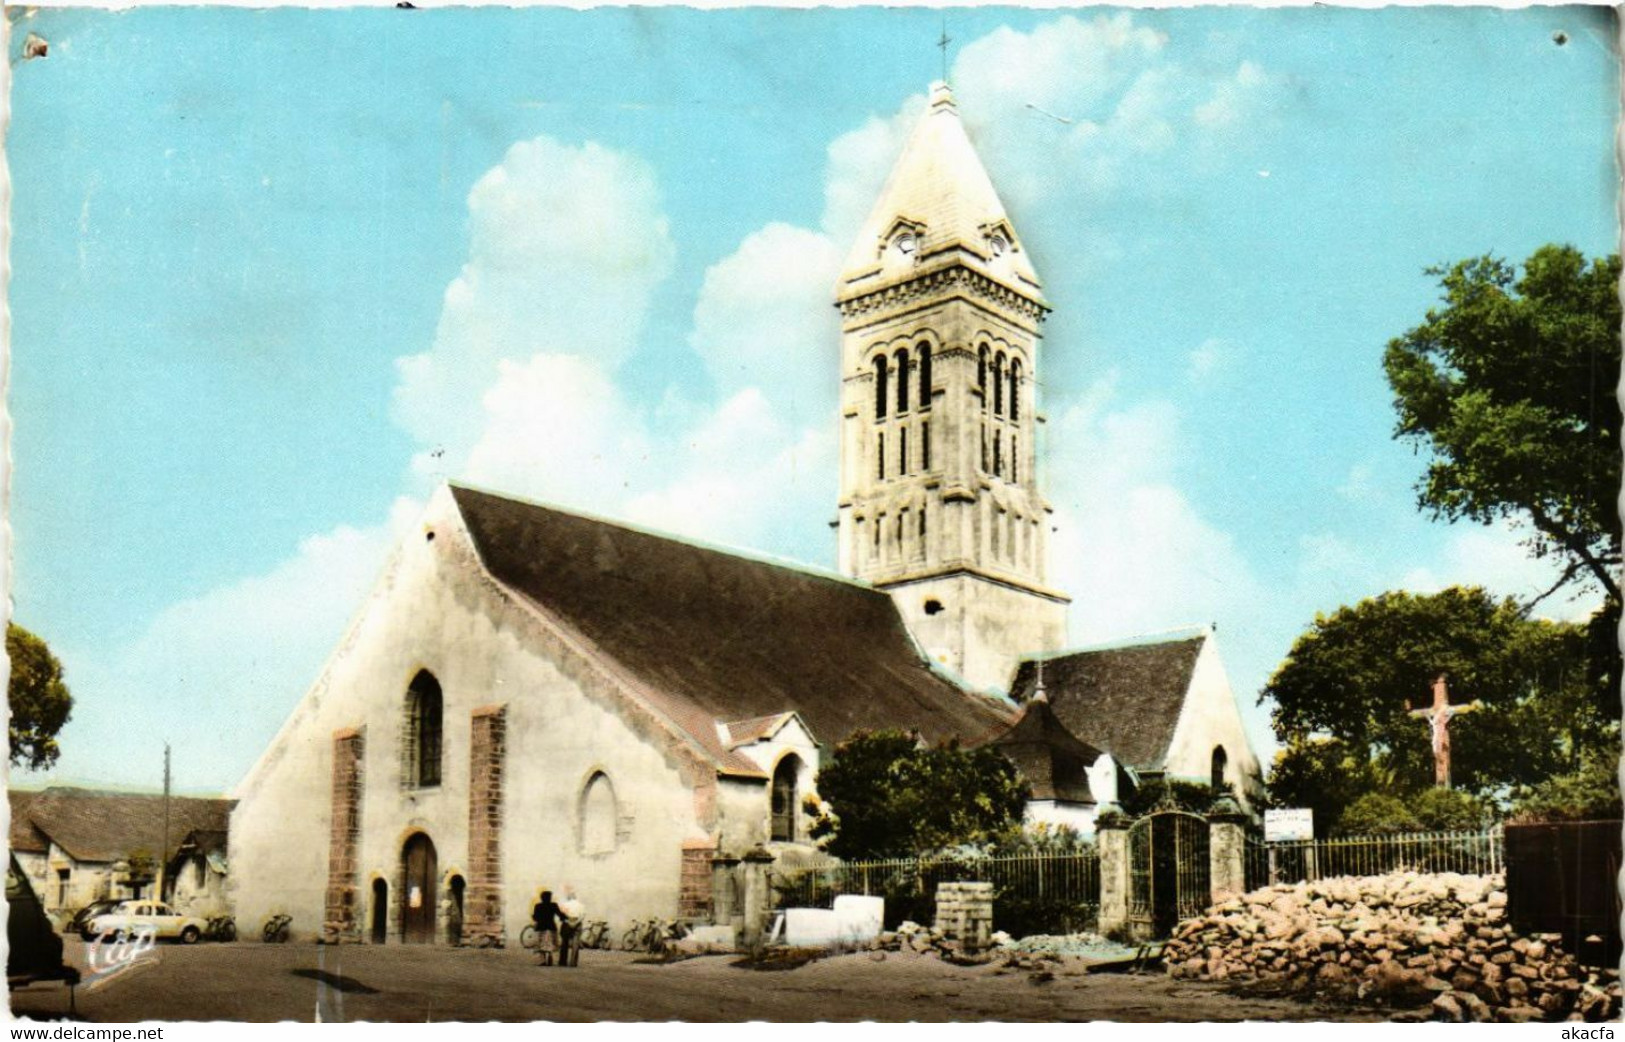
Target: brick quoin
342, 920
694, 893
488, 742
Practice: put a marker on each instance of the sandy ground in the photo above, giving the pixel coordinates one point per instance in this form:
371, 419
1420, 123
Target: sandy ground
261, 982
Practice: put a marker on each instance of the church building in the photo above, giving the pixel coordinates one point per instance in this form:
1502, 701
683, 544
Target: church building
535, 699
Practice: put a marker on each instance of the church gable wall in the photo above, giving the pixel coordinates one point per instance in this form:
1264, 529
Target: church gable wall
1210, 718
436, 609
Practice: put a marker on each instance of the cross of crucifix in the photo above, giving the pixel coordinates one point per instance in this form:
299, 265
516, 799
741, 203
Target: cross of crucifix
943, 43
1438, 716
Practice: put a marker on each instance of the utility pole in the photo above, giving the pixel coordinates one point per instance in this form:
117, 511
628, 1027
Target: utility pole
163, 851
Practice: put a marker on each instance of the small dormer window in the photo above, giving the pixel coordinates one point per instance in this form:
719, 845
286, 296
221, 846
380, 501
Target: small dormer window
906, 244
998, 244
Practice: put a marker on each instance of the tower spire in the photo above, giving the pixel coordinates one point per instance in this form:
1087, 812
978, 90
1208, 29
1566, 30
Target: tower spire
941, 324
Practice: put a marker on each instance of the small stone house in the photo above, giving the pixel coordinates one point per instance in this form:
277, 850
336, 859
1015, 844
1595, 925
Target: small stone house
82, 845
1161, 706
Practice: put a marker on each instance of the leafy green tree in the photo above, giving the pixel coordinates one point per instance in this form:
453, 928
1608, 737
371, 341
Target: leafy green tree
1357, 673
40, 702
885, 796
1159, 793
1590, 793
1377, 813
1510, 386
1449, 810
1323, 774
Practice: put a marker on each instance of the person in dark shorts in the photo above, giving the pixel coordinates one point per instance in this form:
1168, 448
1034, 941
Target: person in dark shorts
546, 917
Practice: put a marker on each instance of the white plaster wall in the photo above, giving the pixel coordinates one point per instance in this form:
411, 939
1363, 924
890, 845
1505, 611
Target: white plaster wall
435, 608
983, 628
794, 738
1079, 816
1210, 717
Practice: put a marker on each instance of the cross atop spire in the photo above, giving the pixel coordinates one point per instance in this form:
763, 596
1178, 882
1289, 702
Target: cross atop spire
943, 43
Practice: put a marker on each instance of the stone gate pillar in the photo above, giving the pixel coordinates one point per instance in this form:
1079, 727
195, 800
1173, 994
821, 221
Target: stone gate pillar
1226, 849
724, 899
1111, 832
758, 899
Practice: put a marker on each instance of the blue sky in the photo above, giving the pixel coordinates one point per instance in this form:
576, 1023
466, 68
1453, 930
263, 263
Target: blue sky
277, 273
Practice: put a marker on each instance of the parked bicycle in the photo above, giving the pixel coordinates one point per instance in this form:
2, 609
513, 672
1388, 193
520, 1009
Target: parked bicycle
276, 929
221, 928
595, 934
529, 937
652, 935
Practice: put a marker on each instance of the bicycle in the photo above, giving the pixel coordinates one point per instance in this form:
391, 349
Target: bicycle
276, 929
595, 934
221, 928
530, 937
633, 939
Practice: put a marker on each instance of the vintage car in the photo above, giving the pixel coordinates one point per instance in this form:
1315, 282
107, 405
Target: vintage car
155, 917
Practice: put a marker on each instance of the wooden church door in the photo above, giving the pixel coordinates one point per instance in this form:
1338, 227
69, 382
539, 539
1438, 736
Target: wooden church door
418, 893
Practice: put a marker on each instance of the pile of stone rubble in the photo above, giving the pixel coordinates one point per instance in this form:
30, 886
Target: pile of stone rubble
1405, 940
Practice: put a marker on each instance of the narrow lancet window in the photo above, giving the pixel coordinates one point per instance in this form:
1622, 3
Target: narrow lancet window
1015, 388
880, 455
924, 351
880, 387
902, 379
925, 445
902, 451
998, 384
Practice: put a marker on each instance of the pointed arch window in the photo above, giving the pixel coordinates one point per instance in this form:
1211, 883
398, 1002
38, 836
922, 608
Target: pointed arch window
598, 816
998, 384
981, 370
420, 747
924, 351
902, 379
880, 387
1015, 388
1221, 761
785, 797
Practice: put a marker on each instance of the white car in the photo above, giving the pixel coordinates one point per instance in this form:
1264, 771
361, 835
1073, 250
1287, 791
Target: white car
155, 917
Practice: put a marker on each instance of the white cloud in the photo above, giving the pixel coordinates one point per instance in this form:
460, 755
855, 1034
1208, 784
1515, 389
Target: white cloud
1125, 101
566, 246
764, 318
217, 674
1209, 358
1493, 557
1130, 546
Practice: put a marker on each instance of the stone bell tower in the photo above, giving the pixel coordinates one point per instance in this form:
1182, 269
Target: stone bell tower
940, 504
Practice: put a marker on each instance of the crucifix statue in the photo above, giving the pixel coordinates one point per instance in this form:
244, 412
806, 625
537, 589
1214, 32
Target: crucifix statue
1438, 717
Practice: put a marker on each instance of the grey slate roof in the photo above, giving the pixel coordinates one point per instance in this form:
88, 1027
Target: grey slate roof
92, 825
1049, 756
1124, 699
713, 636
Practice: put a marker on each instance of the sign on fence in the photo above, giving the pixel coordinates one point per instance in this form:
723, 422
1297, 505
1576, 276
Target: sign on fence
1289, 823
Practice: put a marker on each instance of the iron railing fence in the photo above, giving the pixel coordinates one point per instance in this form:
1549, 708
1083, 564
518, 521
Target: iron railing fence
1033, 893
1296, 861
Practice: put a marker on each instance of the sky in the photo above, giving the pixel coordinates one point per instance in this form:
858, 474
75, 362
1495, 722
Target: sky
277, 274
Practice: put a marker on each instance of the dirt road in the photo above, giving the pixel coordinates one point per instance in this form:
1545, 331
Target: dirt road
260, 982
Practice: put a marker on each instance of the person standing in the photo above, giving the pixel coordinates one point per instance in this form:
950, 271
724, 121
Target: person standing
572, 913
545, 914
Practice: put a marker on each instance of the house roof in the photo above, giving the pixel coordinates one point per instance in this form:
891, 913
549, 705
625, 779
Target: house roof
939, 182
1049, 756
711, 636
92, 825
743, 732
1125, 699
25, 836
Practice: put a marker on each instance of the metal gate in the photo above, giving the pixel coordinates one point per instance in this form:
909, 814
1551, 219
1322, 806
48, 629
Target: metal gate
1168, 871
